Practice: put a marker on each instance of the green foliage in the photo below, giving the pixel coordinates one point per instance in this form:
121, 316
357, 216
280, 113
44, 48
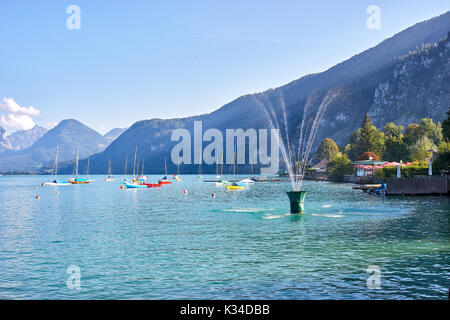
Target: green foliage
419, 151
338, 167
432, 131
392, 145
395, 149
426, 128
371, 138
393, 131
366, 139
442, 159
355, 147
416, 169
412, 134
327, 149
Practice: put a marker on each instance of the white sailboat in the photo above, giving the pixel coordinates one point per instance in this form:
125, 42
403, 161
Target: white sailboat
55, 181
110, 177
176, 177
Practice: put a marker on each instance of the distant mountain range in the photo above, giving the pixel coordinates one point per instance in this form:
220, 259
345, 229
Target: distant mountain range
114, 134
69, 135
20, 139
23, 139
403, 79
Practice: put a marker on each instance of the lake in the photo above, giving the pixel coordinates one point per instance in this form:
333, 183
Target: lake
163, 244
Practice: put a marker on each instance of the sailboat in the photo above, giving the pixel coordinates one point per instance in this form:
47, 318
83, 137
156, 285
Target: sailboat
110, 177
236, 185
164, 180
176, 177
217, 167
55, 181
76, 179
135, 183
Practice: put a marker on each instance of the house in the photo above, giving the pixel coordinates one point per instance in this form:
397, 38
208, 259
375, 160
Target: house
319, 170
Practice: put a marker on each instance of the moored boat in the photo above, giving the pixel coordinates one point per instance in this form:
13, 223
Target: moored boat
247, 181
132, 185
164, 180
76, 179
110, 177
237, 186
55, 181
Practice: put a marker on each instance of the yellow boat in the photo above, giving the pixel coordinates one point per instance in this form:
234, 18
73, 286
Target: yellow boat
236, 187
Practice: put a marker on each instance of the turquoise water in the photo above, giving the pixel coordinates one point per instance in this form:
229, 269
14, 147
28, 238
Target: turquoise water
164, 244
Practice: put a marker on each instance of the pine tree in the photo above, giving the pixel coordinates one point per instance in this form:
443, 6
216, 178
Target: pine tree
371, 139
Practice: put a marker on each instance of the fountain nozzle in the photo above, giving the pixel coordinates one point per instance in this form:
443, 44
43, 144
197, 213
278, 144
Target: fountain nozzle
297, 198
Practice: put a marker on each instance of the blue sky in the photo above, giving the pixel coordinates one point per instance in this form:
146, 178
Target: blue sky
138, 60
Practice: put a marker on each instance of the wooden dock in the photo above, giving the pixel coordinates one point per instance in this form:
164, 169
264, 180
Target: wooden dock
418, 186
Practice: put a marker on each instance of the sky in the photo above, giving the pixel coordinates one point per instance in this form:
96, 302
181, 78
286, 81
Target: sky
135, 60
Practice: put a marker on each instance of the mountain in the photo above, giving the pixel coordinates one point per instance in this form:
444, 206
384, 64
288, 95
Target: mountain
68, 135
24, 138
403, 79
114, 134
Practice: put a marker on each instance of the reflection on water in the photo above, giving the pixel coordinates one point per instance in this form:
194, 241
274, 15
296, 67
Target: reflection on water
161, 243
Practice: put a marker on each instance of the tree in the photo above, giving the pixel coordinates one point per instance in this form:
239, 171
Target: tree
338, 167
431, 130
412, 134
426, 128
395, 149
442, 160
354, 148
366, 139
446, 127
327, 149
419, 151
392, 130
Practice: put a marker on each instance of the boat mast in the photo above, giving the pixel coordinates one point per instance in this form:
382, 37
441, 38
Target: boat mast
137, 168
56, 163
221, 162
165, 166
109, 168
134, 165
76, 162
87, 169
234, 160
200, 165
217, 166
125, 169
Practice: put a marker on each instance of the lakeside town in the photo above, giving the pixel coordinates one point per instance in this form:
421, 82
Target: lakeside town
373, 157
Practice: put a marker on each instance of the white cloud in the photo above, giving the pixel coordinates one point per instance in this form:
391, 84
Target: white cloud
20, 122
11, 106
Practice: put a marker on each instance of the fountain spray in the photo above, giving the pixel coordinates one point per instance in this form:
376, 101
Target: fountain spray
296, 162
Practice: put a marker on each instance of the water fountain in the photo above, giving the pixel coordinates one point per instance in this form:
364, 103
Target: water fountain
296, 162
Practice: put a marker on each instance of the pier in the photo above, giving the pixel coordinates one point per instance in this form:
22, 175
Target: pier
418, 186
